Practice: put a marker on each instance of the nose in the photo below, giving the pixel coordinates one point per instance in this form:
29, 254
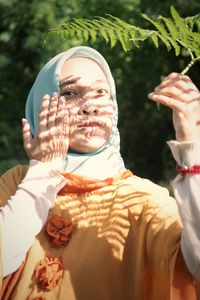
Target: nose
88, 111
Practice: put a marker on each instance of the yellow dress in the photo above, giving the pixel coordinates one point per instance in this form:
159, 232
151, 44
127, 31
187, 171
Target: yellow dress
116, 239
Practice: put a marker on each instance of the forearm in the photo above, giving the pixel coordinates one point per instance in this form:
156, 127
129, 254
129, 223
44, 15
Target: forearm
187, 193
25, 213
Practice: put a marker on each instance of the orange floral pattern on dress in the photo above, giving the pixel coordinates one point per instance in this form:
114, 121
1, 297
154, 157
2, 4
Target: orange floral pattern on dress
59, 230
38, 297
83, 184
48, 273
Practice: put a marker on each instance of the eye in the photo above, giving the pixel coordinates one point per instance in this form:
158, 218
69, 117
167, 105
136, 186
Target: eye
68, 94
102, 92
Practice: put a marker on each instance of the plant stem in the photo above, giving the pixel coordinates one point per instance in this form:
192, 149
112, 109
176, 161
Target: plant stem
191, 63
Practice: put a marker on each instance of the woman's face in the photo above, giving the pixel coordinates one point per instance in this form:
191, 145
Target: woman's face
89, 102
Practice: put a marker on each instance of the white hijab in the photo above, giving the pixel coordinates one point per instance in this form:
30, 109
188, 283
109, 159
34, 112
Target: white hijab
101, 164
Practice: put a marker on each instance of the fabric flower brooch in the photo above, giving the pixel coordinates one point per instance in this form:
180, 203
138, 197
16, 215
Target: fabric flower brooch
59, 230
48, 273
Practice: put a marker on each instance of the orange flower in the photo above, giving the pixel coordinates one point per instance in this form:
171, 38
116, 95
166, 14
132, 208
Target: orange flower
59, 230
48, 272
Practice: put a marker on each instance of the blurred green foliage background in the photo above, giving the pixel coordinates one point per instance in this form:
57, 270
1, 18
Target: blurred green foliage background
144, 129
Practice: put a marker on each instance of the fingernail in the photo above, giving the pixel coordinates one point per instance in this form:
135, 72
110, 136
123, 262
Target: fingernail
46, 96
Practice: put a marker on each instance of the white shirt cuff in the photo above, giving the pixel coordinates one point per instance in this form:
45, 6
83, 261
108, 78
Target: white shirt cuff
185, 153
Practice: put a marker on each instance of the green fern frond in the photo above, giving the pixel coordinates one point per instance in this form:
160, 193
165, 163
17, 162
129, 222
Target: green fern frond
125, 32
121, 23
159, 26
154, 38
175, 32
177, 18
172, 29
104, 33
101, 29
112, 37
175, 45
193, 21
112, 31
109, 22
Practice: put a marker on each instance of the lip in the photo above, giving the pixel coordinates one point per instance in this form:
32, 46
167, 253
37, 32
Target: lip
89, 124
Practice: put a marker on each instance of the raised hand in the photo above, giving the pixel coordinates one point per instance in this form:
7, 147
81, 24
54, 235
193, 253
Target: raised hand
51, 142
179, 93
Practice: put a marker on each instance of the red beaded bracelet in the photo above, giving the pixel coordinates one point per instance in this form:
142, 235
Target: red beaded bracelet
188, 170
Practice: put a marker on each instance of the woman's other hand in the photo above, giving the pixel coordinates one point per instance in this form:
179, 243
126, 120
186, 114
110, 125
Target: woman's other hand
179, 93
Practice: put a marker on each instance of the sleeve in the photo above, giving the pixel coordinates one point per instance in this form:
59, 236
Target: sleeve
25, 212
1, 268
187, 194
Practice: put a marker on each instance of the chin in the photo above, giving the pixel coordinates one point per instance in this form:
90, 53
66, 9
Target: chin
88, 147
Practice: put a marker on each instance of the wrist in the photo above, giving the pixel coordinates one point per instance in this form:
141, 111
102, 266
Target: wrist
189, 134
56, 163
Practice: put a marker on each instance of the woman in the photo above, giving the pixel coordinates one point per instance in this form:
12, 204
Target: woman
110, 234
180, 94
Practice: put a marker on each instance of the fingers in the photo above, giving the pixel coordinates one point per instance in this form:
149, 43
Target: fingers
53, 107
179, 81
58, 117
61, 112
175, 75
175, 87
175, 93
178, 85
179, 77
26, 134
168, 101
42, 118
52, 114
62, 120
